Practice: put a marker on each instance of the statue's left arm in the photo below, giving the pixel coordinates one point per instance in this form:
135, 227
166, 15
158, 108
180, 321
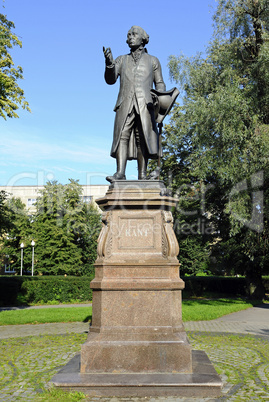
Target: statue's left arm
157, 75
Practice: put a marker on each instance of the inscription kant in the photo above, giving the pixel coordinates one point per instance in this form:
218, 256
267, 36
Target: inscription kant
137, 232
137, 229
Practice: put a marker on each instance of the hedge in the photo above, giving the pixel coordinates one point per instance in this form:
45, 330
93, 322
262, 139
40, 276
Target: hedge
199, 285
10, 288
18, 290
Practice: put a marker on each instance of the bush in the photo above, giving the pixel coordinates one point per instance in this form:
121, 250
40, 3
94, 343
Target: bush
10, 288
17, 290
44, 289
266, 283
201, 285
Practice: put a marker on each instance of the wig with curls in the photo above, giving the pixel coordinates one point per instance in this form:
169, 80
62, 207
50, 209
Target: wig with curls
143, 33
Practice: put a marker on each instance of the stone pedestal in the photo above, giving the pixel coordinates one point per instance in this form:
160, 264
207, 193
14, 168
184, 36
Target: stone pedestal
137, 336
137, 325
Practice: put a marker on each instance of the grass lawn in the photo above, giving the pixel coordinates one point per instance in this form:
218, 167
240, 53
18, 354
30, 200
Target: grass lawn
203, 310
192, 310
45, 315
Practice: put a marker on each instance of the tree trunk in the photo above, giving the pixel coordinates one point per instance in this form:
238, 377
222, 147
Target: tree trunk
255, 287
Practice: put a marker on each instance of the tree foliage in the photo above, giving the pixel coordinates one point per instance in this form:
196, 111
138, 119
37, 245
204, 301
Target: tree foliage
4, 221
65, 230
218, 136
17, 228
11, 95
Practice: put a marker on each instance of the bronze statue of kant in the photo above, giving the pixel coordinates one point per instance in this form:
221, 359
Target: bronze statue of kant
136, 134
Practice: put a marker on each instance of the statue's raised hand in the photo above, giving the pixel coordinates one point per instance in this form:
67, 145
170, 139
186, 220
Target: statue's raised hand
108, 56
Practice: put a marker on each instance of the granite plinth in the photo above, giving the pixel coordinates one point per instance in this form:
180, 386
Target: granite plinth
144, 352
202, 382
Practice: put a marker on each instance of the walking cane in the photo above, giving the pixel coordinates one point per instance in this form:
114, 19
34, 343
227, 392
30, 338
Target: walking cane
160, 126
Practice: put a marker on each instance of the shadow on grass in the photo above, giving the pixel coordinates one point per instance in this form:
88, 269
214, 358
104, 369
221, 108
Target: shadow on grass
15, 308
223, 301
263, 305
88, 318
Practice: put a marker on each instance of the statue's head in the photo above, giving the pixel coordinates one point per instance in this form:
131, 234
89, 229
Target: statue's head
136, 37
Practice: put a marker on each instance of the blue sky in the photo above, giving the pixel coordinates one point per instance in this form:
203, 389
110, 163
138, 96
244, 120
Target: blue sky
69, 132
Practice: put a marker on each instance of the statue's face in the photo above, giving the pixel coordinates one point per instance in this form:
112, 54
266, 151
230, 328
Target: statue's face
134, 38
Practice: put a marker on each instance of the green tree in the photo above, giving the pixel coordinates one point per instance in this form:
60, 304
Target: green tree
18, 230
4, 222
84, 221
219, 135
11, 95
65, 230
191, 226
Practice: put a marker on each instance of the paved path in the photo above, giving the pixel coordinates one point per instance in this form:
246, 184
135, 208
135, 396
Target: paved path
254, 320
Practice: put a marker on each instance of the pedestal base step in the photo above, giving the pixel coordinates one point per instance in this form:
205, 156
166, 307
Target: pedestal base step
203, 382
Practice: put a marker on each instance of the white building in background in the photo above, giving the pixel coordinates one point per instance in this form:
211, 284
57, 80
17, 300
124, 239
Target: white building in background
29, 194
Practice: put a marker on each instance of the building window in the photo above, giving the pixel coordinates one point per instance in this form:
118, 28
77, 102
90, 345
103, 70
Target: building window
87, 198
8, 270
31, 202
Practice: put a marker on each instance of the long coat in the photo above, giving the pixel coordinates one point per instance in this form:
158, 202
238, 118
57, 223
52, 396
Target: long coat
136, 81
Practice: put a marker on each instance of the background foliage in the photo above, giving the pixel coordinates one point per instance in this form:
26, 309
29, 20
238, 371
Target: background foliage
15, 290
65, 230
11, 95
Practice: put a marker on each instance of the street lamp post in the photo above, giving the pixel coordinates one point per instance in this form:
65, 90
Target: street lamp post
22, 247
33, 255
